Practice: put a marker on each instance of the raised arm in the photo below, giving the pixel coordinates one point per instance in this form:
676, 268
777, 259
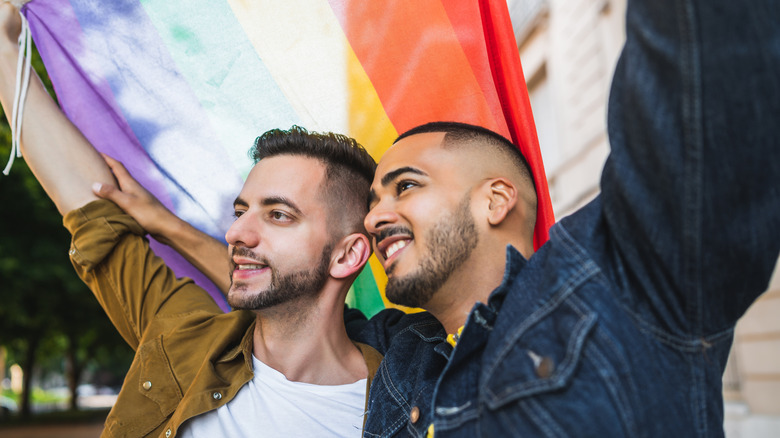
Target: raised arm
206, 253
107, 249
69, 168
57, 153
691, 191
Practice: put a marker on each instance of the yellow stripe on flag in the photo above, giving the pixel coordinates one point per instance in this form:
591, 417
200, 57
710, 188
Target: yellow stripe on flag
368, 120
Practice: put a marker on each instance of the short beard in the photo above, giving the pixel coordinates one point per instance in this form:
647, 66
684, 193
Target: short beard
450, 243
285, 288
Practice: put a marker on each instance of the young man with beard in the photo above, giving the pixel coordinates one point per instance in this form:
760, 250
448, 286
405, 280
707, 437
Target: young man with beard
281, 364
621, 324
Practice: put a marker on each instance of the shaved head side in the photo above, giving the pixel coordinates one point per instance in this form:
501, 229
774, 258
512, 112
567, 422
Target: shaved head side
494, 153
349, 170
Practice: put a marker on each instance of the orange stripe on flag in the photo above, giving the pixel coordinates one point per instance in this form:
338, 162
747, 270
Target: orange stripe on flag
467, 23
413, 57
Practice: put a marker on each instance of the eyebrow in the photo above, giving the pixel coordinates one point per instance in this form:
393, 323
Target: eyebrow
390, 176
239, 202
271, 200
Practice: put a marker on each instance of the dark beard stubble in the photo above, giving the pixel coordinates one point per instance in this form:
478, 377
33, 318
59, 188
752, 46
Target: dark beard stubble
284, 288
450, 243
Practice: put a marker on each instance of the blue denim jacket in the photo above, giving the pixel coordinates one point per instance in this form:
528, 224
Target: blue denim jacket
621, 324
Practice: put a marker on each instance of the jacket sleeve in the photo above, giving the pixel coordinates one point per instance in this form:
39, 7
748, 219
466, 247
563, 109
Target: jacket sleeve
379, 331
133, 285
691, 190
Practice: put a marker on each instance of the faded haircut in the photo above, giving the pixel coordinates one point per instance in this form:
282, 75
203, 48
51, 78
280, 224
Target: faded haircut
456, 133
349, 171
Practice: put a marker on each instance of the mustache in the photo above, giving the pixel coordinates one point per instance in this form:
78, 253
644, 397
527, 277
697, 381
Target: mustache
240, 251
392, 231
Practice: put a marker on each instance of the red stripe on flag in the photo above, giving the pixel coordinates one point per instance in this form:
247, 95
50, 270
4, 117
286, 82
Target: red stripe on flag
510, 84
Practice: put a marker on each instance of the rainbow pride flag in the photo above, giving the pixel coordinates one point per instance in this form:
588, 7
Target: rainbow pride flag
179, 90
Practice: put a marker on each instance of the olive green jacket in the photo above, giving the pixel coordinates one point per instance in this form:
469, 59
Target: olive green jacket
190, 356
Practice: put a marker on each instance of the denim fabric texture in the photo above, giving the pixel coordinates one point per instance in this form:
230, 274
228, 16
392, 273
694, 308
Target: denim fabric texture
620, 326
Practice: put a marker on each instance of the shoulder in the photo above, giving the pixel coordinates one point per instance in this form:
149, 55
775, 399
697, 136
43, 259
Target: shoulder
393, 325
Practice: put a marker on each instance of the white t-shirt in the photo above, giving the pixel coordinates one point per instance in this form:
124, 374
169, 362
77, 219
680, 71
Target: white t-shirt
269, 405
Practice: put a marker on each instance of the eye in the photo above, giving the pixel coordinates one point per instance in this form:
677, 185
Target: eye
237, 213
280, 216
404, 185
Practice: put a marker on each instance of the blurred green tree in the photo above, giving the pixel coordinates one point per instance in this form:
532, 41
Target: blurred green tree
41, 298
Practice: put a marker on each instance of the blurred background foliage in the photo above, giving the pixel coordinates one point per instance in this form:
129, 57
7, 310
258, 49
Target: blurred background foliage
50, 323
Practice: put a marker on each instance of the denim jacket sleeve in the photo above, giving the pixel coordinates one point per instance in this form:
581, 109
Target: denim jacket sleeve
379, 330
691, 190
133, 285
382, 328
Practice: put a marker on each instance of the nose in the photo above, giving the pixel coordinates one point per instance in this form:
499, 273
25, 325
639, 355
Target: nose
242, 232
380, 216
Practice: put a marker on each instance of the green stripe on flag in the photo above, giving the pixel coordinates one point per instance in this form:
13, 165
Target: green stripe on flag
364, 294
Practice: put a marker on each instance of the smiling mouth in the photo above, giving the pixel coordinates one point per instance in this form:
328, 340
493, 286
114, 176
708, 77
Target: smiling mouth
248, 267
391, 241
246, 272
395, 247
391, 248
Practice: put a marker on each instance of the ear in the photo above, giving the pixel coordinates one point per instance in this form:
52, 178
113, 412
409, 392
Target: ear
503, 197
352, 254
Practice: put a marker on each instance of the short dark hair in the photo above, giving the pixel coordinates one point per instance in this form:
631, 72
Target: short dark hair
349, 169
460, 133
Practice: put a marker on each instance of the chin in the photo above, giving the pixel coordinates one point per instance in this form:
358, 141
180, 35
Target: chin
402, 291
239, 297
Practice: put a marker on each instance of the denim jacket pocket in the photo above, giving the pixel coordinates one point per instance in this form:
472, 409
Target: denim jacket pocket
156, 380
541, 354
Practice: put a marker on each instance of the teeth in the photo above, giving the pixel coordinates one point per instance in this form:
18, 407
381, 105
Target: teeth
392, 249
245, 267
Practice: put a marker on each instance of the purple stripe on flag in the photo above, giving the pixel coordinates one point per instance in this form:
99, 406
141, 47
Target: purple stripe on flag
85, 98
161, 108
90, 103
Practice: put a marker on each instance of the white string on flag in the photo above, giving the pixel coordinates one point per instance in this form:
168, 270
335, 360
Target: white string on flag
23, 69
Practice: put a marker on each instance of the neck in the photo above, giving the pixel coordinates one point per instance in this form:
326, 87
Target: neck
471, 283
306, 341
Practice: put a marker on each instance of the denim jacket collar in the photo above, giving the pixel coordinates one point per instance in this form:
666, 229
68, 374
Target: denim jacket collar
515, 262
